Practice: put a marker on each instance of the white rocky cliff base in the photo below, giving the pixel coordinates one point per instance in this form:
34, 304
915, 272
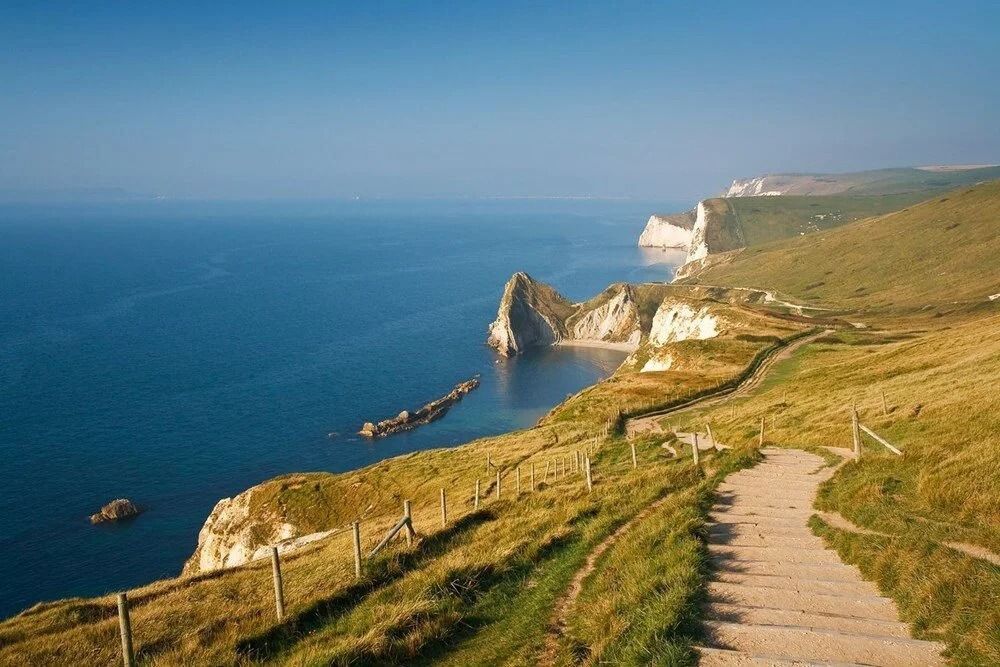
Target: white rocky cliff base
677, 321
668, 231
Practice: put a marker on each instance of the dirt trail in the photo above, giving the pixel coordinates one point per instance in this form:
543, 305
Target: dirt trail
778, 596
649, 422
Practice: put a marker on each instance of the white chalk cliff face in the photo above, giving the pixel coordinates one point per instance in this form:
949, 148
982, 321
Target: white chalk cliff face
532, 314
762, 186
231, 536
663, 231
699, 244
676, 321
616, 321
658, 362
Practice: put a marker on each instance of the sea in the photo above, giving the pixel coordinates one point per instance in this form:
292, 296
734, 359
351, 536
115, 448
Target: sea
176, 353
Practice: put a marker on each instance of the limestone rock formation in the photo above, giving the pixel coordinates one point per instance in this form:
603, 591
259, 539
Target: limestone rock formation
668, 231
677, 321
406, 420
530, 314
239, 526
116, 510
616, 320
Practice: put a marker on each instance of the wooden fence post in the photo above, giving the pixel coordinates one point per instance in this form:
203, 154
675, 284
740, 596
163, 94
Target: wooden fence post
356, 529
590, 482
444, 510
489, 462
760, 441
532, 476
125, 626
885, 406
694, 450
498, 485
855, 432
546, 478
635, 461
711, 437
408, 515
517, 477
279, 590
475, 503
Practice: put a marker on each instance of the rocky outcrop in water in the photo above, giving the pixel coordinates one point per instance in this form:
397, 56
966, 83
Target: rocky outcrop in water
116, 510
406, 420
532, 314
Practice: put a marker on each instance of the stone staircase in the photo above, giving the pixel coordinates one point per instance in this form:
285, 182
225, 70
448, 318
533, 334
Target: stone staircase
778, 596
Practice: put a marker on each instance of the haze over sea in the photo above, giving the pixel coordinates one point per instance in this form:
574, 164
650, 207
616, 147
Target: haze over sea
179, 353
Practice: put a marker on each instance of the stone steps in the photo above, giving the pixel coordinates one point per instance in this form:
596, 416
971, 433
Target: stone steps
791, 642
734, 613
802, 585
720, 657
778, 595
855, 606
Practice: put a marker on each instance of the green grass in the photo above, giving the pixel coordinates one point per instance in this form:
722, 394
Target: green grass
926, 257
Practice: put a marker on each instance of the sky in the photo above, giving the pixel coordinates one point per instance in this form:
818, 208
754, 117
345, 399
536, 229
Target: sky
379, 99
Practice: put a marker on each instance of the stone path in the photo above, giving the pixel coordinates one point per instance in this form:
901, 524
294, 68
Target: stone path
777, 595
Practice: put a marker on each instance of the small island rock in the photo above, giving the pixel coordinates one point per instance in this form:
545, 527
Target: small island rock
116, 510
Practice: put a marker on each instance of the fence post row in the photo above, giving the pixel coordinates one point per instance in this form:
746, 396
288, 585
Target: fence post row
279, 590
125, 626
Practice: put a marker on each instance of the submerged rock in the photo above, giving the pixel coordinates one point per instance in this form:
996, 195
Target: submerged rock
116, 510
406, 420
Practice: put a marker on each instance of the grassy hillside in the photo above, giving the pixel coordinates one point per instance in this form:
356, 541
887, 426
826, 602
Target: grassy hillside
933, 254
766, 219
891, 181
483, 589
480, 590
939, 388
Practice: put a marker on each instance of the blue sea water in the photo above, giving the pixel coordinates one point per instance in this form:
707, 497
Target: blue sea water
178, 353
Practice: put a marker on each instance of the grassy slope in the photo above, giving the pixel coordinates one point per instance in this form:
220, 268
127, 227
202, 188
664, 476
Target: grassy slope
938, 252
767, 219
939, 375
479, 590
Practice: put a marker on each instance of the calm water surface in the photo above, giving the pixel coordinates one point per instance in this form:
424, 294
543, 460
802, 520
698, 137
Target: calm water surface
180, 353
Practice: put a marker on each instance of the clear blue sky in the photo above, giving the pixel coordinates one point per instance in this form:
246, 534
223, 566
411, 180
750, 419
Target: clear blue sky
665, 100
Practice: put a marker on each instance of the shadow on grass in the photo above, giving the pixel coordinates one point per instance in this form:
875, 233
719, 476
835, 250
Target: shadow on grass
269, 644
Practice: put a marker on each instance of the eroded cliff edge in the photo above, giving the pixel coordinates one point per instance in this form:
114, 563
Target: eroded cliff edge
533, 314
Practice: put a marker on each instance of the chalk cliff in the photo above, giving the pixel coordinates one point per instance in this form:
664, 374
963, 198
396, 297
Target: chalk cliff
241, 528
668, 230
532, 314
675, 321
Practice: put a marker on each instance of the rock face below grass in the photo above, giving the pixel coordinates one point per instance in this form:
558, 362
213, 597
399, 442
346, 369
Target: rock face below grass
116, 510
